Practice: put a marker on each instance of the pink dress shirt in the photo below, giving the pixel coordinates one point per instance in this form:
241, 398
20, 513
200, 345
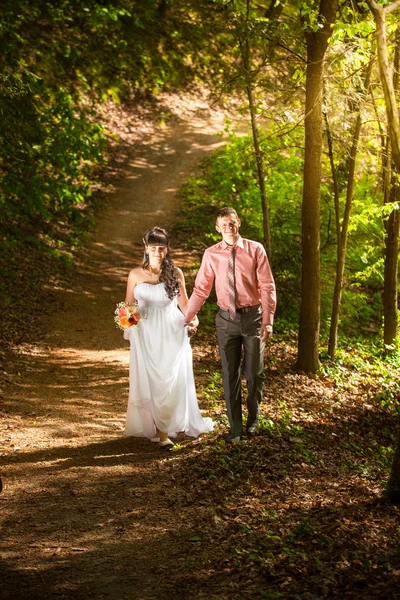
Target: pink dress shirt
254, 281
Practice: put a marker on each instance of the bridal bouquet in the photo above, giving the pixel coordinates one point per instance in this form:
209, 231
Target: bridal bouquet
126, 315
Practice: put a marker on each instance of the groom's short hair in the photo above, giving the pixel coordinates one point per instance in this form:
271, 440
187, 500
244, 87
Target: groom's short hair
226, 212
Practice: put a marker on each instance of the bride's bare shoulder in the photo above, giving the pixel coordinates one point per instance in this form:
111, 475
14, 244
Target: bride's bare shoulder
136, 272
135, 276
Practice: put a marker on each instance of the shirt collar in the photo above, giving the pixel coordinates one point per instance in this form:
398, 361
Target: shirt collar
239, 244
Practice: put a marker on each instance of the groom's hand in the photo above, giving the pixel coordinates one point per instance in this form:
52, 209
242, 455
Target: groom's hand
192, 326
265, 332
191, 330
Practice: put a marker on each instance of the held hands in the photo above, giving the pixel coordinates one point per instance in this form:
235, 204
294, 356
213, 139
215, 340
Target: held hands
265, 332
192, 327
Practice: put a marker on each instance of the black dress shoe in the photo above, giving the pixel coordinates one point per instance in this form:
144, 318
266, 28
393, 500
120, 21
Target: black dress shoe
252, 431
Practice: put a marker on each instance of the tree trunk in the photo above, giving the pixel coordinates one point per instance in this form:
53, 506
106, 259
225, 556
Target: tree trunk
245, 50
343, 232
261, 176
317, 42
390, 289
274, 10
390, 286
393, 487
334, 178
385, 71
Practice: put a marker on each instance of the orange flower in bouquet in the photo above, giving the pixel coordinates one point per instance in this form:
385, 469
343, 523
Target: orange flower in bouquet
126, 315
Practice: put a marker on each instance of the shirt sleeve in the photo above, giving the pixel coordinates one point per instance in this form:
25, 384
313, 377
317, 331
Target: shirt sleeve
266, 285
202, 288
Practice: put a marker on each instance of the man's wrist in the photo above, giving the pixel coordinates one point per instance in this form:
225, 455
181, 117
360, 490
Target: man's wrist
268, 327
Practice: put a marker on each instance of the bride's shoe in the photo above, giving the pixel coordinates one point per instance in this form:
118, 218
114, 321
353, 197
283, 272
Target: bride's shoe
167, 444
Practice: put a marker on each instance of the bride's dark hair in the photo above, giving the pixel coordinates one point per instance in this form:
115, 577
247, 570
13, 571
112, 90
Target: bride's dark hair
169, 275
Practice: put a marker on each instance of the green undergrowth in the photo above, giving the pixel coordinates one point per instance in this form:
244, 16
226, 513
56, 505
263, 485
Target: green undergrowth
226, 178
229, 178
49, 171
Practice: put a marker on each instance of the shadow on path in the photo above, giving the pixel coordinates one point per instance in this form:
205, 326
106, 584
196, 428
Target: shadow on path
85, 512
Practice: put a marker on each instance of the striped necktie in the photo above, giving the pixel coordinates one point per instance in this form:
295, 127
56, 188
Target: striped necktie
231, 283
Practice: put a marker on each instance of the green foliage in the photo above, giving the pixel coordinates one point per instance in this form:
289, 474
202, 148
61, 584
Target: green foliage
360, 362
229, 177
46, 167
58, 60
213, 391
55, 56
110, 47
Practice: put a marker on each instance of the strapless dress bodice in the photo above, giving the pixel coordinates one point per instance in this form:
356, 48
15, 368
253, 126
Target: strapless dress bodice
152, 295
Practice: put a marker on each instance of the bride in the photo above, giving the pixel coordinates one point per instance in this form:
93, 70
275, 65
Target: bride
162, 393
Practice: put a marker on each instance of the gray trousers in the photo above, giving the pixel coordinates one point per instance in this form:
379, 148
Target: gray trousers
243, 332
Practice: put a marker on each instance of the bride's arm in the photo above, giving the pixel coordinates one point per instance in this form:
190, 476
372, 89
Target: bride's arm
183, 299
130, 287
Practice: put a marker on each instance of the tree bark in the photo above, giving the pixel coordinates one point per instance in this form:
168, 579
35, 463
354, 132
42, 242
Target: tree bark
390, 289
386, 75
317, 43
274, 10
334, 178
392, 227
393, 487
261, 176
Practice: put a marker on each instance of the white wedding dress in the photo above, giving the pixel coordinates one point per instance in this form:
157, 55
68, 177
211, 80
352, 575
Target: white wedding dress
162, 392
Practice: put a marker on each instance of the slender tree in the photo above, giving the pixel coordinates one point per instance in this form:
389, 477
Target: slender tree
392, 227
343, 228
246, 58
386, 72
317, 33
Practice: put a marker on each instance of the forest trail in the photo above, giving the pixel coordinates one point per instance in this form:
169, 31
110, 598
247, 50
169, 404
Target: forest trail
85, 512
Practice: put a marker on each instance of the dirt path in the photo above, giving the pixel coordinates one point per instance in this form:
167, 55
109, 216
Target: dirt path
85, 512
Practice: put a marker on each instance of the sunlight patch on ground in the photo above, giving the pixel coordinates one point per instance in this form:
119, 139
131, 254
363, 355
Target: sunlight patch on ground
120, 355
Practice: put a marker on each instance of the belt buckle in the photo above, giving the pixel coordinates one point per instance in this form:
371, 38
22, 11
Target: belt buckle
243, 310
246, 309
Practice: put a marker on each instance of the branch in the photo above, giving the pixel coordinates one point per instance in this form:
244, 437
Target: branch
385, 70
391, 7
384, 10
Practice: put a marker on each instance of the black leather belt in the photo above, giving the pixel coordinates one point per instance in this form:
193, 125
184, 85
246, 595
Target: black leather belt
243, 310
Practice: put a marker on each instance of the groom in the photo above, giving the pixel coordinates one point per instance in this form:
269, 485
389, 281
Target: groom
246, 297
